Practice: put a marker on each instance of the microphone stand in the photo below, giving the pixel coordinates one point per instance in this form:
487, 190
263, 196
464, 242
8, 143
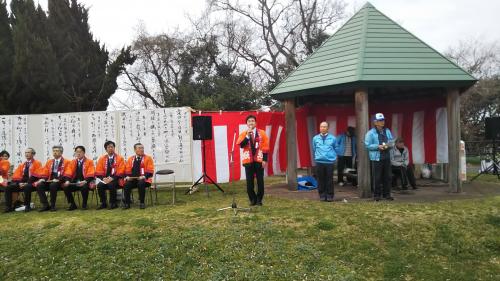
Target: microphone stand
233, 206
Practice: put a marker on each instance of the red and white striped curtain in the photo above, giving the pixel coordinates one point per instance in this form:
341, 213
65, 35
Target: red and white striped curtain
422, 124
223, 155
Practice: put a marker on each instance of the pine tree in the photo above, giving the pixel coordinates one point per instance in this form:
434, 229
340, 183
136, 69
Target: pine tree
35, 75
6, 55
87, 79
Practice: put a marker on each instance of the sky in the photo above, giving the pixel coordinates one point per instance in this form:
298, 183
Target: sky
439, 23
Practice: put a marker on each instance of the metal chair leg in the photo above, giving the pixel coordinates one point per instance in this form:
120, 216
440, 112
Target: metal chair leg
150, 195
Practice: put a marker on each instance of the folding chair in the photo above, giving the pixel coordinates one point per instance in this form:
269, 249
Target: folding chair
155, 185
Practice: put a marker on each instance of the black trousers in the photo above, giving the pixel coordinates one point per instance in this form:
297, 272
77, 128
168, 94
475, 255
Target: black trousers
255, 170
53, 188
14, 187
342, 163
324, 172
84, 189
140, 185
112, 187
406, 175
382, 177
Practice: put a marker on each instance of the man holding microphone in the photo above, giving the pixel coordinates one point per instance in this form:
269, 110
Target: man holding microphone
255, 145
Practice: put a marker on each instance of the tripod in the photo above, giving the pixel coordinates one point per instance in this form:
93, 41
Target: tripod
234, 206
204, 176
494, 166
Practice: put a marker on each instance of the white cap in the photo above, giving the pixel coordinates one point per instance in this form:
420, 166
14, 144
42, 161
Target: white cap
379, 117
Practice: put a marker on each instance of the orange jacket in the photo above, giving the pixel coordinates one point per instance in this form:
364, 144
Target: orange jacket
4, 171
118, 169
147, 167
34, 168
46, 171
261, 145
88, 169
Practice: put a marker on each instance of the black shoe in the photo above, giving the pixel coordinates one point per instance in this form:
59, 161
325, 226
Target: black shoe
9, 210
414, 187
72, 207
389, 198
53, 209
27, 209
126, 206
259, 203
376, 198
113, 206
102, 206
252, 203
329, 199
44, 209
142, 206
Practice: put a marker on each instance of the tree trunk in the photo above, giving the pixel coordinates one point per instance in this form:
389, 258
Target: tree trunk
453, 110
362, 126
291, 144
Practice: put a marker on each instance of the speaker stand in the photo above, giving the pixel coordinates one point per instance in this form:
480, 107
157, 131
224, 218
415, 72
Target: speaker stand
204, 176
494, 167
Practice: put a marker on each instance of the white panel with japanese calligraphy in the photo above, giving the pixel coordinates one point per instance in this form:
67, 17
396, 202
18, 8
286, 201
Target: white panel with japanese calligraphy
163, 132
101, 128
6, 133
61, 129
20, 139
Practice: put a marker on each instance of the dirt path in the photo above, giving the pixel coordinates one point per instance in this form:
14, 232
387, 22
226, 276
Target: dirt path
429, 191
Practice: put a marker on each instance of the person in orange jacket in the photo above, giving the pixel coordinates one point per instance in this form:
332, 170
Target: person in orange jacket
139, 171
5, 173
109, 172
255, 145
50, 178
22, 181
4, 169
78, 176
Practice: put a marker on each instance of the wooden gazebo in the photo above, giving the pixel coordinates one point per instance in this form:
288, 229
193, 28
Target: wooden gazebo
371, 56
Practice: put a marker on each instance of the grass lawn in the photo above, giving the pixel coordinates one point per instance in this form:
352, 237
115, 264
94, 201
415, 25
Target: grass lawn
484, 177
283, 240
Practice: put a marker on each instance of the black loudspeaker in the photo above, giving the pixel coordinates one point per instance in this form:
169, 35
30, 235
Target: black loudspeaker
202, 127
492, 128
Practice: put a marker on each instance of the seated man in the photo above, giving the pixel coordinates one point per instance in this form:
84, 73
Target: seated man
50, 178
22, 181
78, 176
346, 152
139, 171
110, 170
400, 159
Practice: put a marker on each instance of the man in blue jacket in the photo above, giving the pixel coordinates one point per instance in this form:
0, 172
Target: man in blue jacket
346, 152
324, 148
378, 141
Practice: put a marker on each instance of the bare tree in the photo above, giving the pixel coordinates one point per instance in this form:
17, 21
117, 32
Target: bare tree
157, 72
482, 59
274, 36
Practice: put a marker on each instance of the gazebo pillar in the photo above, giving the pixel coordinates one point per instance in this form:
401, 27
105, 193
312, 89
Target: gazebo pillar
362, 126
453, 111
291, 143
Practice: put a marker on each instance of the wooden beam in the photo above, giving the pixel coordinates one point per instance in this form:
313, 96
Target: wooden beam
453, 111
362, 126
291, 144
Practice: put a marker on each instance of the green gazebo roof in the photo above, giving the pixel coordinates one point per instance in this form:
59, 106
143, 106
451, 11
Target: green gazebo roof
371, 50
